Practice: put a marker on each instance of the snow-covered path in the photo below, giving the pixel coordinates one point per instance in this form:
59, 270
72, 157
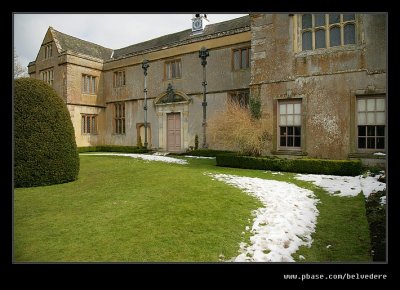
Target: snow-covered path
145, 157
283, 225
345, 185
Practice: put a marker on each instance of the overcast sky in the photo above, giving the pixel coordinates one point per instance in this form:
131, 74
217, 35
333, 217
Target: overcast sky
109, 30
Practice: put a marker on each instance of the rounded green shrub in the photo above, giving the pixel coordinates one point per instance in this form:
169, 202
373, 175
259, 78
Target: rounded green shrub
45, 150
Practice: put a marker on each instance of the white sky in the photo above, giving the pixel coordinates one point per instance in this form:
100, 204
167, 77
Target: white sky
109, 30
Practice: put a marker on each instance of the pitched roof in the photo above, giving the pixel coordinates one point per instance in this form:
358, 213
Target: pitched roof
67, 42
183, 37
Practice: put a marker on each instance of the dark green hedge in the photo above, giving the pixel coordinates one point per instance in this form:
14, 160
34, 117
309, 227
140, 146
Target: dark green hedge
303, 165
206, 152
113, 148
44, 141
376, 216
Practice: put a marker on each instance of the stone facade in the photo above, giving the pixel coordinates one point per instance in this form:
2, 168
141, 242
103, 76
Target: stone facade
326, 82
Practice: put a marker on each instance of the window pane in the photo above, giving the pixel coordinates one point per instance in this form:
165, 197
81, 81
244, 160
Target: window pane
290, 131
297, 108
361, 130
282, 108
83, 124
380, 118
297, 131
244, 58
370, 130
290, 108
290, 120
283, 120
173, 70
361, 105
88, 124
334, 18
236, 59
361, 142
371, 105
380, 104
168, 71
290, 141
319, 19
370, 118
283, 141
380, 143
297, 141
297, 120
380, 130
306, 41
306, 21
362, 119
283, 131
93, 85
320, 38
335, 36
371, 143
349, 34
348, 16
178, 69
123, 126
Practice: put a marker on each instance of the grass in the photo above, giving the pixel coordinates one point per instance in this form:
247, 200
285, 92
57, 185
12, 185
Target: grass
127, 210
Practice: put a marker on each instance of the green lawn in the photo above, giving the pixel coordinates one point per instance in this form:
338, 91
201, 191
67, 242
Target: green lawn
125, 209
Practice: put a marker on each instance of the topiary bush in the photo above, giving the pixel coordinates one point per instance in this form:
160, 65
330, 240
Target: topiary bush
45, 150
302, 165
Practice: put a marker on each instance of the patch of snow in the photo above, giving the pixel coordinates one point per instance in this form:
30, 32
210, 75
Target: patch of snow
274, 172
380, 154
285, 223
160, 153
301, 257
344, 185
328, 246
383, 200
199, 157
145, 157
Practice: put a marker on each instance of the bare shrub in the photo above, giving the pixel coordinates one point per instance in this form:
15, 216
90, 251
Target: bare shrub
235, 129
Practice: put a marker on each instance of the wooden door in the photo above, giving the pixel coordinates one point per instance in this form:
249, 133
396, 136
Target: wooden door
174, 132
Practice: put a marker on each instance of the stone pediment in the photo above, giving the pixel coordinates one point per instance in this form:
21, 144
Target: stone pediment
170, 96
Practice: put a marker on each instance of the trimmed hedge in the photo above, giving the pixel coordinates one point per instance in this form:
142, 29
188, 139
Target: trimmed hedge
113, 148
45, 150
376, 216
207, 152
302, 165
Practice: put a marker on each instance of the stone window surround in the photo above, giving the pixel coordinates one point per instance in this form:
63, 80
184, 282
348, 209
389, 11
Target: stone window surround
93, 124
297, 35
367, 95
119, 78
248, 52
288, 101
168, 64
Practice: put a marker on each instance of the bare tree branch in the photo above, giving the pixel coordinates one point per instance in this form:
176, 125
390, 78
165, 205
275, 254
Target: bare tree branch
19, 70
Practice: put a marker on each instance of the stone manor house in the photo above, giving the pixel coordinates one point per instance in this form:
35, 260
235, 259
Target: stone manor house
321, 79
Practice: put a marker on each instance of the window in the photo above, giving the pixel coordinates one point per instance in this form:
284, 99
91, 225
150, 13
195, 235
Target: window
327, 30
173, 69
289, 120
119, 118
48, 51
119, 79
47, 76
241, 58
371, 121
240, 97
88, 84
89, 124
